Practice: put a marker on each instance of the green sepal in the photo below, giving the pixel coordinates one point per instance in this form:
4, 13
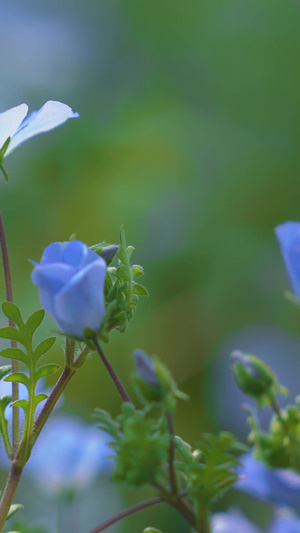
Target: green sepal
140, 290
4, 148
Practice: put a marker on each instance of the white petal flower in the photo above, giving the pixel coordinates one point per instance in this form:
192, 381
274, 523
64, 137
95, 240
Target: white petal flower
15, 126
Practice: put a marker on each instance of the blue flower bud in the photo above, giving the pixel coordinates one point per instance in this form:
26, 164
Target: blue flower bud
70, 279
145, 368
255, 378
288, 236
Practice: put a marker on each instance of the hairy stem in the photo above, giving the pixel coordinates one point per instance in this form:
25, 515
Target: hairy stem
123, 514
112, 373
9, 492
15, 364
172, 473
51, 401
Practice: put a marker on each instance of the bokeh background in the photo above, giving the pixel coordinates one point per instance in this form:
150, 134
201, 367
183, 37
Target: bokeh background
189, 135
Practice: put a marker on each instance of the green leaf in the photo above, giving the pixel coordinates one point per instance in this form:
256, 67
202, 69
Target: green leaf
43, 347
14, 509
13, 313
46, 370
4, 172
137, 271
11, 333
15, 353
4, 401
4, 370
39, 398
18, 377
34, 321
151, 530
140, 290
21, 403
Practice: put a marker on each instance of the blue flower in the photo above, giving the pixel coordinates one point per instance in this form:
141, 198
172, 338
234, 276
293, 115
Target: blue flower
280, 486
70, 279
288, 235
68, 456
232, 521
285, 522
15, 126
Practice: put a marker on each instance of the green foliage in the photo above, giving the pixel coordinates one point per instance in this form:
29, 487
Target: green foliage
280, 446
208, 470
255, 378
151, 530
29, 356
121, 289
140, 442
154, 383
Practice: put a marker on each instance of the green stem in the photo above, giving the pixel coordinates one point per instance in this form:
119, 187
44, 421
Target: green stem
15, 364
172, 473
9, 492
51, 401
5, 435
120, 388
203, 522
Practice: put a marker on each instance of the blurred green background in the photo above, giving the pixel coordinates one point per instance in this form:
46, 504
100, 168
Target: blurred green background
188, 135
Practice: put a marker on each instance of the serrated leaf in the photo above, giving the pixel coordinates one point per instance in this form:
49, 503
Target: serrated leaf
14, 509
18, 377
34, 321
15, 353
43, 347
12, 312
140, 290
11, 333
4, 370
46, 370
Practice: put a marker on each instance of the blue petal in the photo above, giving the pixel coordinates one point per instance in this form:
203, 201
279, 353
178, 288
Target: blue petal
10, 121
80, 304
53, 253
51, 115
288, 235
50, 278
76, 254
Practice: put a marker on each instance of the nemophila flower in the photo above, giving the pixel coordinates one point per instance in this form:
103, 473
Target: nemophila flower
68, 456
70, 279
280, 486
233, 521
17, 128
288, 235
285, 522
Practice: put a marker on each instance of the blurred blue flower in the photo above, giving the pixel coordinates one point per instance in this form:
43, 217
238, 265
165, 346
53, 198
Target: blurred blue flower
280, 486
285, 522
13, 123
232, 521
68, 456
70, 279
288, 235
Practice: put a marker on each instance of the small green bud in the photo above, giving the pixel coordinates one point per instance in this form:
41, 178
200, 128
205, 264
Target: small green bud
255, 378
154, 381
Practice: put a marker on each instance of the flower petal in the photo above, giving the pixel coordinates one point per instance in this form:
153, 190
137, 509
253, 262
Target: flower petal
50, 279
80, 304
288, 235
10, 121
53, 253
51, 115
78, 254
